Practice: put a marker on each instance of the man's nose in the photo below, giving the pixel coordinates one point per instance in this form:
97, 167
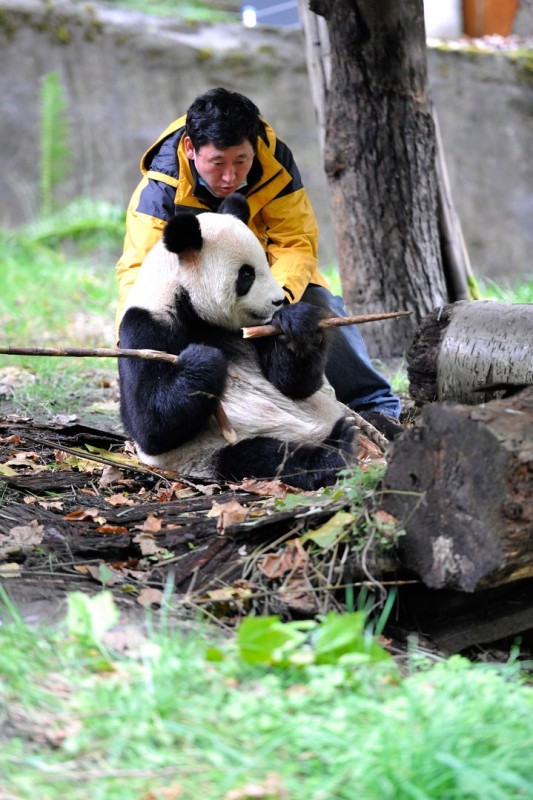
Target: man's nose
229, 173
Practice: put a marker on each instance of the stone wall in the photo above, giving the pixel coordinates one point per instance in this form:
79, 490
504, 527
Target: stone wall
126, 76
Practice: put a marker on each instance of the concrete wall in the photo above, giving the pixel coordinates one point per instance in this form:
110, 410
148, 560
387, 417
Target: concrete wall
126, 76
484, 103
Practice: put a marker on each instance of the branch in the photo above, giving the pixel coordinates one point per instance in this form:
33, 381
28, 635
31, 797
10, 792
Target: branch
330, 322
118, 352
82, 352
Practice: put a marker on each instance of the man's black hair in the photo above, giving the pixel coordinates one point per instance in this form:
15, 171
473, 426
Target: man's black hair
222, 118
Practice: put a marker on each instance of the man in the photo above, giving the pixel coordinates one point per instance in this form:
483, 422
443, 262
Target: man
222, 146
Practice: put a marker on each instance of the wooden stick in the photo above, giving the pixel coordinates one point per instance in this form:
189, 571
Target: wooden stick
160, 355
330, 322
82, 352
118, 352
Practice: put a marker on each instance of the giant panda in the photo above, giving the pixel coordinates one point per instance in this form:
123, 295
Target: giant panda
207, 278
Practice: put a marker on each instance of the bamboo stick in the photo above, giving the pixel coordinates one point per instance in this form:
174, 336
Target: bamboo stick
329, 322
118, 352
83, 352
159, 355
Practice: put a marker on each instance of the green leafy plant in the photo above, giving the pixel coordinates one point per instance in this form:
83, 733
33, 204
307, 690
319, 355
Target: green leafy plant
335, 639
55, 156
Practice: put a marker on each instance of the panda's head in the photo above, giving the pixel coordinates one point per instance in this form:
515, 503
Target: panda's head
223, 267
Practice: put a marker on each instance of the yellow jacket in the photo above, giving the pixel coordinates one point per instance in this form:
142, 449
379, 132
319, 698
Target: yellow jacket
281, 215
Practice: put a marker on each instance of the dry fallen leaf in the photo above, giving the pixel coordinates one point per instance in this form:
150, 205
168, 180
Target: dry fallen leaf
297, 592
102, 574
111, 529
151, 524
10, 570
27, 535
81, 514
110, 475
64, 419
14, 439
292, 557
47, 504
7, 471
274, 488
150, 597
227, 514
120, 500
26, 459
148, 544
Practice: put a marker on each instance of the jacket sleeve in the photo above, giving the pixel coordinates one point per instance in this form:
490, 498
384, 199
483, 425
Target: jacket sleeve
143, 231
292, 245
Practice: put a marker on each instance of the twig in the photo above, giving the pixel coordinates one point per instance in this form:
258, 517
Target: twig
118, 352
83, 352
329, 322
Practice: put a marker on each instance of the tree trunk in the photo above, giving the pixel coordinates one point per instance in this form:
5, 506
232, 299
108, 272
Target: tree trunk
318, 57
460, 348
462, 484
380, 162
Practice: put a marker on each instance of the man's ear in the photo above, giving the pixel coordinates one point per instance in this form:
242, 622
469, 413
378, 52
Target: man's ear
189, 147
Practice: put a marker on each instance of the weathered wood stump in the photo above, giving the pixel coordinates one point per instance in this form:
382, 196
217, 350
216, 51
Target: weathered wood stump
462, 484
462, 347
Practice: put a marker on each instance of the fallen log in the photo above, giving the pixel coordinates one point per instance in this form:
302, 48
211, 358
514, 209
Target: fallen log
469, 352
461, 482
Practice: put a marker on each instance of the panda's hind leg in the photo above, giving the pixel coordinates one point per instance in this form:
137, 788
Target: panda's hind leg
305, 466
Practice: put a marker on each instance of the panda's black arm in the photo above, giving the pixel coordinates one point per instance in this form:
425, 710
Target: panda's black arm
164, 405
294, 362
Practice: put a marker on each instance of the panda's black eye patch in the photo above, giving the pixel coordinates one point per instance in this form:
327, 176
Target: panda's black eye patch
245, 279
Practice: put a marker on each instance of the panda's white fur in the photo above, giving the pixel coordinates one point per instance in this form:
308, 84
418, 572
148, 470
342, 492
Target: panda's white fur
187, 300
208, 276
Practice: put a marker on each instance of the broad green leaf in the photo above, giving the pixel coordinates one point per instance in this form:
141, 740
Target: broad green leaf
331, 531
339, 634
267, 640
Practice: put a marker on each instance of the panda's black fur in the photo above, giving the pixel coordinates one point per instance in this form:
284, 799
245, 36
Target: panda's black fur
198, 287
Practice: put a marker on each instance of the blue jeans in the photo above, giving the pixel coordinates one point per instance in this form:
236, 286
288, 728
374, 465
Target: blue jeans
349, 369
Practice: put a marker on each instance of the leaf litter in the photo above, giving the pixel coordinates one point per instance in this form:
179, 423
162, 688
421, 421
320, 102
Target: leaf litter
78, 509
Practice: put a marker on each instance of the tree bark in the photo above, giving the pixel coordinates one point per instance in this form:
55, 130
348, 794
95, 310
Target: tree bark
380, 162
460, 348
462, 484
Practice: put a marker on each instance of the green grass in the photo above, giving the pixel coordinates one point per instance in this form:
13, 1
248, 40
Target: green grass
82, 721
519, 292
59, 289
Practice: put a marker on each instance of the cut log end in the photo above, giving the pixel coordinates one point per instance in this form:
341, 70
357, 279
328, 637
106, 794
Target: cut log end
462, 484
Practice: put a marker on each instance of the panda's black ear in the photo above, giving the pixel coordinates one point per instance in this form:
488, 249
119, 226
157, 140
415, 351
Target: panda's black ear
236, 205
183, 233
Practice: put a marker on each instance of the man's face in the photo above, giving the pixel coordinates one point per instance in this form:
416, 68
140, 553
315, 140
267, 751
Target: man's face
222, 170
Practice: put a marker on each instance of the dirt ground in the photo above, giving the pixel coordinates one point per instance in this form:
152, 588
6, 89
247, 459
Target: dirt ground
79, 513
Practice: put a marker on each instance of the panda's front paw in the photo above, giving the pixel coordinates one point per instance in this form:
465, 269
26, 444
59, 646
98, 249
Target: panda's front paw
299, 325
206, 367
343, 435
